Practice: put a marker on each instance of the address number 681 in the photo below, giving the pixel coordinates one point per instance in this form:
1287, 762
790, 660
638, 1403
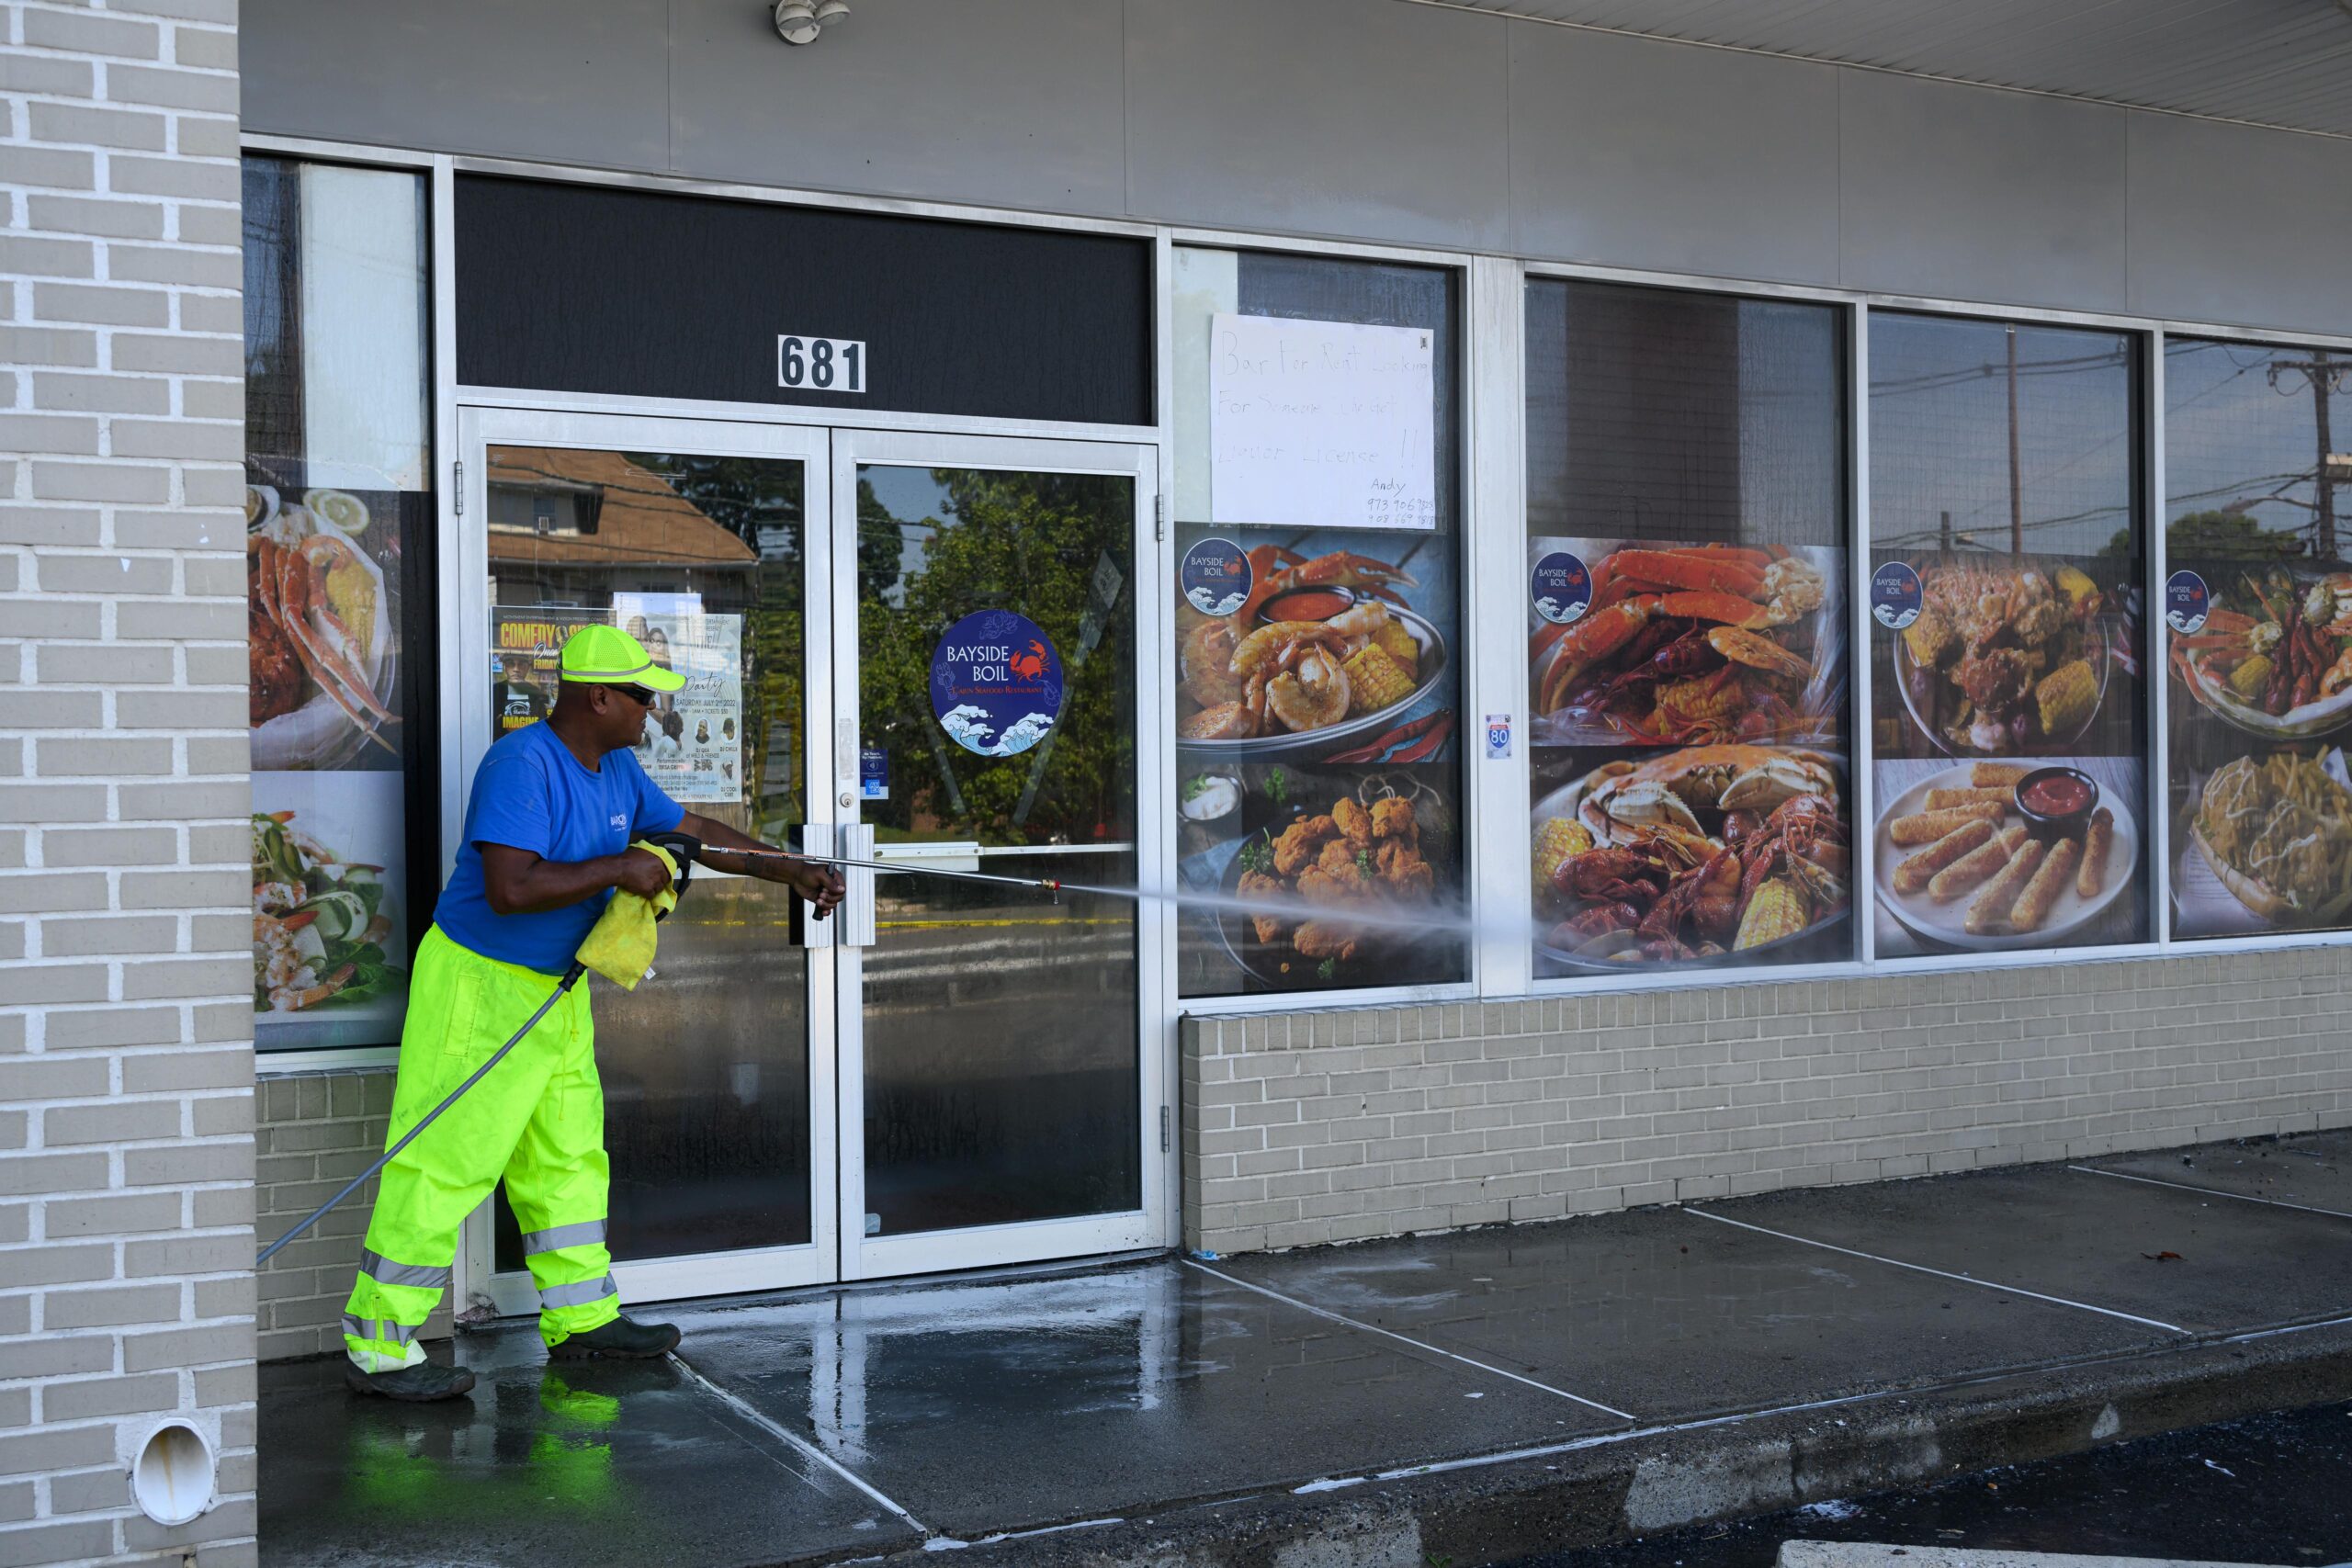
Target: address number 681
821, 364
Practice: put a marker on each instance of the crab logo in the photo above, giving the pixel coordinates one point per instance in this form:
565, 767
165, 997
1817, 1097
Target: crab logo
996, 683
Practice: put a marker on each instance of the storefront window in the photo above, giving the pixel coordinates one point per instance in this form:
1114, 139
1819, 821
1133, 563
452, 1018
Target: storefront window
2258, 620
1687, 519
1317, 516
339, 513
2008, 732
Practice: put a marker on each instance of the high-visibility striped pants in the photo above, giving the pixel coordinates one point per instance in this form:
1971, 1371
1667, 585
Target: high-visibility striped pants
537, 1118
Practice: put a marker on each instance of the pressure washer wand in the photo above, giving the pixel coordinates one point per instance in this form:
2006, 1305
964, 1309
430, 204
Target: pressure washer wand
695, 849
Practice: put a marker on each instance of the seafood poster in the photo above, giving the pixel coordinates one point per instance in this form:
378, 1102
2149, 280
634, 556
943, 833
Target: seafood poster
1968, 861
2259, 659
1689, 796
1724, 853
328, 715
1318, 762
322, 579
330, 935
2008, 737
1647, 644
1309, 878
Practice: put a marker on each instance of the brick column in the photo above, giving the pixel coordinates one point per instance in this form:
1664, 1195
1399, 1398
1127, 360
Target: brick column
126, 1030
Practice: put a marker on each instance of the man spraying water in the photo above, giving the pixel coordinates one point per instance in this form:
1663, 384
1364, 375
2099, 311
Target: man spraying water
548, 827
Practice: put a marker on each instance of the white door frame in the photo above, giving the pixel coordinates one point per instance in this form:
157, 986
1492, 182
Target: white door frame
1029, 1241
467, 645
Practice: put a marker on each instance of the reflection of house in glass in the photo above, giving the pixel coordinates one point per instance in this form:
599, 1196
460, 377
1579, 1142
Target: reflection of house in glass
571, 526
580, 534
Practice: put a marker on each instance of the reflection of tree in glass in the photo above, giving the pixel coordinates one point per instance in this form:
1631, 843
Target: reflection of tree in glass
761, 502
2227, 535
1024, 542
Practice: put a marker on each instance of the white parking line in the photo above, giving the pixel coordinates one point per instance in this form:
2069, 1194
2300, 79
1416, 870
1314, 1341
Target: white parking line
753, 1413
2209, 1192
1408, 1339
2288, 1328
1942, 1273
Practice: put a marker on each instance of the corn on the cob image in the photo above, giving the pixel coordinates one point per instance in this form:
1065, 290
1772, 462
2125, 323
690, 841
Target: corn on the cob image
1394, 639
1560, 837
1931, 639
2078, 589
1777, 910
1375, 682
2248, 679
2067, 695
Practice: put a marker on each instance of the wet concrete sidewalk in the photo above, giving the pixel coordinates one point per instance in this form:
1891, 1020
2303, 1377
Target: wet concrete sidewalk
1191, 1397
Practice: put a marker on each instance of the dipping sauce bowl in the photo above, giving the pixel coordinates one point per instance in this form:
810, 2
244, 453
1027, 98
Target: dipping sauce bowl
2056, 801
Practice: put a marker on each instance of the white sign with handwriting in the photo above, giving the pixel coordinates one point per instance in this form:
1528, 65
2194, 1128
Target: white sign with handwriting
1321, 424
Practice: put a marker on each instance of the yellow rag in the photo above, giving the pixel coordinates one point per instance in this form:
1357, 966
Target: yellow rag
620, 948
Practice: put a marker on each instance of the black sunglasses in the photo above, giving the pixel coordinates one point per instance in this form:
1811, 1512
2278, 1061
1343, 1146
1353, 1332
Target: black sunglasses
637, 695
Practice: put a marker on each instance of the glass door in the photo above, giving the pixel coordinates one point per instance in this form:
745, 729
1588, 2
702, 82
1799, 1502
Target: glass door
710, 542
998, 1104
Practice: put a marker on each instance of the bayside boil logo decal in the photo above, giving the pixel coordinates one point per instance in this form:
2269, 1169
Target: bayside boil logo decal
996, 683
2186, 602
1894, 595
1215, 577
1560, 588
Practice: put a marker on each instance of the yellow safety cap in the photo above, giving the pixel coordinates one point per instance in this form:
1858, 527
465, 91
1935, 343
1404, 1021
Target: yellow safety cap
607, 656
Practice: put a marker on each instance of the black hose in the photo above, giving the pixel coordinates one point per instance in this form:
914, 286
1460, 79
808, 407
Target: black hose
570, 977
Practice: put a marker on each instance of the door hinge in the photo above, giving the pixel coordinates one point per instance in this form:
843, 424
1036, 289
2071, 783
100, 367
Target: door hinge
458, 484
1163, 1129
1158, 517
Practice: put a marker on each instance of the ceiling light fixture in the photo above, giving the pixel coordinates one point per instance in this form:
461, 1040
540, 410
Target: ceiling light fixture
795, 22
832, 11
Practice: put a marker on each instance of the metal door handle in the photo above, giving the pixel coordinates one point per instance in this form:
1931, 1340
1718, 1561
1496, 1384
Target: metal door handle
856, 913
816, 838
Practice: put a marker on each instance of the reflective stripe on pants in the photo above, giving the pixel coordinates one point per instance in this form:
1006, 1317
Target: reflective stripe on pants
537, 1119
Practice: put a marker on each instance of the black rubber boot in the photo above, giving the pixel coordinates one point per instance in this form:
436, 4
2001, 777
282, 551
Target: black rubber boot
619, 1339
418, 1384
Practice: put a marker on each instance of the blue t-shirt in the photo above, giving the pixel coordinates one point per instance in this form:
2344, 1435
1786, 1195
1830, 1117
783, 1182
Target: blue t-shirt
531, 792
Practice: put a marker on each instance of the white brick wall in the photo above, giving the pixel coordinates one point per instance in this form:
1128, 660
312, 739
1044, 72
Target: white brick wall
314, 1131
1319, 1127
125, 1034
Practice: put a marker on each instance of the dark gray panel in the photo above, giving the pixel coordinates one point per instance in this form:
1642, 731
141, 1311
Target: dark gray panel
999, 1404
1328, 116
1664, 1315
589, 288
543, 1466
552, 79
2207, 1264
2234, 224
1967, 193
1630, 152
2314, 1171
1013, 102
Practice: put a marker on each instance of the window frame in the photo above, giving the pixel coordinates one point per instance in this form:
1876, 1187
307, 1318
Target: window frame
1469, 627
1493, 437
2160, 572
428, 799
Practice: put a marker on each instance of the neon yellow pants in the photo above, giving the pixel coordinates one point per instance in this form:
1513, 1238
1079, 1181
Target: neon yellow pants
537, 1118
